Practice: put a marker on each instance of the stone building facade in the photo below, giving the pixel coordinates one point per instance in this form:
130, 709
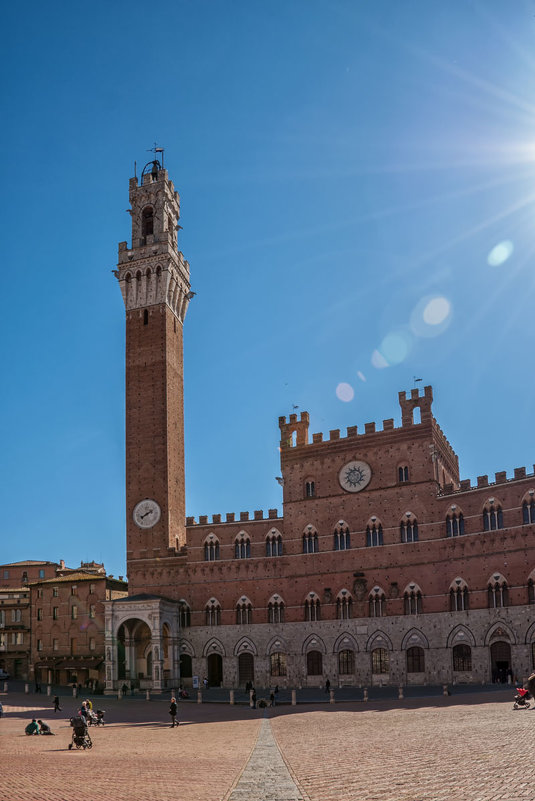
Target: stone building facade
67, 625
385, 567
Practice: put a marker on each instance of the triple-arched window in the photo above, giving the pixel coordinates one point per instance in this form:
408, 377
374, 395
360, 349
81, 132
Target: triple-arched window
213, 613
242, 546
343, 605
374, 533
184, 614
377, 603
312, 607
459, 596
492, 516
498, 592
211, 549
310, 540
412, 600
342, 537
274, 543
244, 612
409, 528
276, 610
454, 524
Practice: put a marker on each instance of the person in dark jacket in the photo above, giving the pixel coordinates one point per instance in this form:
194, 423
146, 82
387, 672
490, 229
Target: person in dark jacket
172, 712
32, 728
44, 728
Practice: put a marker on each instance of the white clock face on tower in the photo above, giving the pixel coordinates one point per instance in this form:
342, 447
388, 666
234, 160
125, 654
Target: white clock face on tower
354, 476
146, 513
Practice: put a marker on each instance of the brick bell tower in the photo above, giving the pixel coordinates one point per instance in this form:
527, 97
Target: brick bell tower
154, 280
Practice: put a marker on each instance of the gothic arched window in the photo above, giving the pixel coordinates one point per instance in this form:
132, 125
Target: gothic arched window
528, 511
244, 612
377, 603
211, 549
454, 524
409, 529
342, 538
343, 605
374, 533
242, 546
310, 540
492, 516
312, 607
274, 543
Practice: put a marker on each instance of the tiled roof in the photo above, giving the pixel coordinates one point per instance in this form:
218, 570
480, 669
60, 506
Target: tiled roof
27, 562
79, 576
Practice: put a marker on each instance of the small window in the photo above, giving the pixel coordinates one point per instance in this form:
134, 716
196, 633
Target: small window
41, 573
74, 612
55, 645
39, 614
25, 577
39, 645
455, 525
40, 593
531, 591
73, 589
145, 316
92, 611
92, 644
91, 589
55, 592
55, 611
310, 489
6, 574
403, 474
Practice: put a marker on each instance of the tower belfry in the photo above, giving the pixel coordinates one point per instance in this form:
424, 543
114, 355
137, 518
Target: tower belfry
154, 280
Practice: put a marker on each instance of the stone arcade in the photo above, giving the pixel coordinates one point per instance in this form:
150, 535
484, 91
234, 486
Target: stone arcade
386, 567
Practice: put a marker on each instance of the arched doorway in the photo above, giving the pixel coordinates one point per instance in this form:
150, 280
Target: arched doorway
500, 657
186, 668
215, 670
134, 653
245, 668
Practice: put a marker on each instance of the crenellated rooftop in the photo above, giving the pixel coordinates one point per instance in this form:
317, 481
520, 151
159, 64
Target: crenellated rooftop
500, 477
231, 517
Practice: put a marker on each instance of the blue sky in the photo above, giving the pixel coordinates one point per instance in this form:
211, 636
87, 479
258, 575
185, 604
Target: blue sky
358, 199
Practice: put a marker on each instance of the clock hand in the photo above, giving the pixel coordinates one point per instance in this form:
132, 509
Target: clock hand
146, 513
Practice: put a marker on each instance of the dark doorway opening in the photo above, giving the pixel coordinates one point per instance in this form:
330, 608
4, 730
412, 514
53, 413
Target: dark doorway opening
245, 668
215, 670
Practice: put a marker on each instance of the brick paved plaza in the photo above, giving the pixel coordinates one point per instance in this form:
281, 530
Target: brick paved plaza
473, 748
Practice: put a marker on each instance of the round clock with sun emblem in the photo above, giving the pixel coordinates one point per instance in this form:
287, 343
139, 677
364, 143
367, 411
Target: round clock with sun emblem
354, 476
146, 513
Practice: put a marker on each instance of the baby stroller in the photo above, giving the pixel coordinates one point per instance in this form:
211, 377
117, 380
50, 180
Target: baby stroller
80, 735
522, 699
96, 719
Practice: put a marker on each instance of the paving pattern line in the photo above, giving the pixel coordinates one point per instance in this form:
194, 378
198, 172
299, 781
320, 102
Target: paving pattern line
266, 776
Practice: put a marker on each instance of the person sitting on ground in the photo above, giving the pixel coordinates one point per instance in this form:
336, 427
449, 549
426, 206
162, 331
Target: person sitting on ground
44, 728
32, 728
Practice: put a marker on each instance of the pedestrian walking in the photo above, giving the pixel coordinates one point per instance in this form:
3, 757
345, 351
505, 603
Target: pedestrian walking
272, 699
327, 686
253, 698
172, 712
57, 707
